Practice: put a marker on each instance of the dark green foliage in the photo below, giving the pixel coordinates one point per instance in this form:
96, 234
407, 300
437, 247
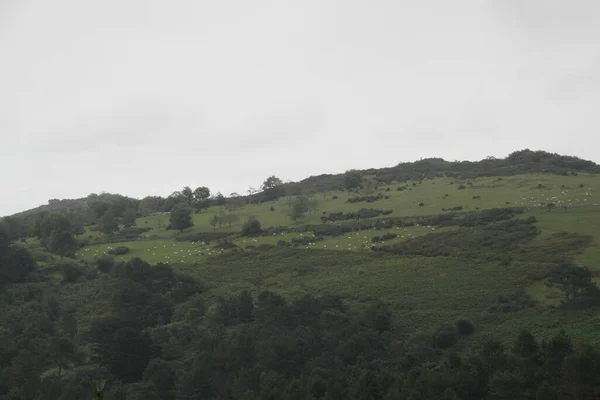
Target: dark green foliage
457, 208
272, 188
180, 217
16, 262
105, 263
378, 316
464, 219
465, 327
70, 270
303, 348
109, 223
494, 242
252, 227
445, 336
366, 199
201, 236
526, 345
139, 304
55, 232
129, 218
352, 179
236, 309
220, 200
162, 376
125, 352
576, 283
119, 251
363, 213
383, 238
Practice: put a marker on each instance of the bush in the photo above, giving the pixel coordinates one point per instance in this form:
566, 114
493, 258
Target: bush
119, 251
368, 199
227, 244
387, 236
251, 227
201, 236
445, 337
105, 263
363, 213
464, 327
70, 271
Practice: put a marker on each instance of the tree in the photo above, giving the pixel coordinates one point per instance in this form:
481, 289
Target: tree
235, 203
161, 375
229, 219
109, 223
369, 186
220, 199
126, 353
181, 217
187, 193
575, 282
272, 188
56, 234
63, 353
214, 221
129, 217
352, 179
525, 346
300, 207
251, 227
201, 193
201, 198
149, 205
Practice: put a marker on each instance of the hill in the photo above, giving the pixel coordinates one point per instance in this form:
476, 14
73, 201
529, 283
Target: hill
427, 280
518, 162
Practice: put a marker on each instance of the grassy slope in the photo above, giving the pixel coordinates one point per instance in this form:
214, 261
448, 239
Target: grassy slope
423, 291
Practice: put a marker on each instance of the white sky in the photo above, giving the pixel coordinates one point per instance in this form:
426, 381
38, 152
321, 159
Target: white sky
143, 97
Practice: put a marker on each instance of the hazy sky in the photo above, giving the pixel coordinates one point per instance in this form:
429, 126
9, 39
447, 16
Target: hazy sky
143, 97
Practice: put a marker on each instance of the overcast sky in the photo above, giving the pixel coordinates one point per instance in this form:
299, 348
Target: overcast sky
143, 97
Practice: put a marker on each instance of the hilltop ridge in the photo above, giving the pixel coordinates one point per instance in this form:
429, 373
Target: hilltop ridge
518, 162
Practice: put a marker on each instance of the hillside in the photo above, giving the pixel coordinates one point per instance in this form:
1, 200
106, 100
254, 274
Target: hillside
431, 279
518, 162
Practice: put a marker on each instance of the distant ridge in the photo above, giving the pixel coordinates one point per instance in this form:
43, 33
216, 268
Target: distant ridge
516, 163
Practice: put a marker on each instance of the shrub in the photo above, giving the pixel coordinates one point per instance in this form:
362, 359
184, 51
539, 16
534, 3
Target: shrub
119, 251
251, 227
445, 337
367, 199
105, 263
382, 238
464, 327
227, 244
201, 236
70, 271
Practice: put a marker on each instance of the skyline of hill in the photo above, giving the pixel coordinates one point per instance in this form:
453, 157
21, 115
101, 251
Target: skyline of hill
518, 162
